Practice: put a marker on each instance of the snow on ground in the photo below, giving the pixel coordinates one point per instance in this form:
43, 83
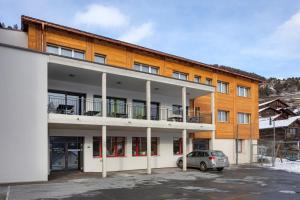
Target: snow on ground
286, 165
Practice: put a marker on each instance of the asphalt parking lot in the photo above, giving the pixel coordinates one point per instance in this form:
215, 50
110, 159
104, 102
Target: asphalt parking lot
244, 182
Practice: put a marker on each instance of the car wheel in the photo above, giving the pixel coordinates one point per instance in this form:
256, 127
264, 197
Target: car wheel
180, 164
220, 168
203, 166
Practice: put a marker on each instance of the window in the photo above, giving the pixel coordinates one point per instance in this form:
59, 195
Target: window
223, 87
208, 81
180, 75
243, 118
139, 146
52, 49
243, 91
116, 107
223, 116
99, 58
145, 68
291, 132
79, 54
177, 110
115, 146
239, 146
65, 51
177, 146
197, 79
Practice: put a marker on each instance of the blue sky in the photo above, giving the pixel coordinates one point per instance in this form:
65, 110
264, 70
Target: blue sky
260, 36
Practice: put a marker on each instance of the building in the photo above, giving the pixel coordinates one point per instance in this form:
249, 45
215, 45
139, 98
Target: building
76, 100
276, 114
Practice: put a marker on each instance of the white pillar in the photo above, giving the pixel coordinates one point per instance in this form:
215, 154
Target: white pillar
184, 149
104, 114
148, 99
213, 133
104, 111
104, 151
184, 104
149, 150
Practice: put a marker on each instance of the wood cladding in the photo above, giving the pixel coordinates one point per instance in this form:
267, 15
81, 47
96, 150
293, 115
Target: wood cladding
121, 56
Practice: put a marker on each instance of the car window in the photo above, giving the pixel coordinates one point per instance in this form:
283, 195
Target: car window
217, 153
205, 154
192, 154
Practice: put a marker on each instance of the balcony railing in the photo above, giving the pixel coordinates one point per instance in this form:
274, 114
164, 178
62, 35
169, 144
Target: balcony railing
87, 107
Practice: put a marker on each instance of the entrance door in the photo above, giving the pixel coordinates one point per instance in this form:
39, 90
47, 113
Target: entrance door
66, 153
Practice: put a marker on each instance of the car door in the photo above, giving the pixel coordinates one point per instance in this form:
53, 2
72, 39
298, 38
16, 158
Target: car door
190, 159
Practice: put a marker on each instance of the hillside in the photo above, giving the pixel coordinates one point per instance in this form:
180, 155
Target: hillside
286, 89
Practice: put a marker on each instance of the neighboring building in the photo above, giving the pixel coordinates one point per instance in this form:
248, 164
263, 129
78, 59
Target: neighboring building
76, 100
286, 122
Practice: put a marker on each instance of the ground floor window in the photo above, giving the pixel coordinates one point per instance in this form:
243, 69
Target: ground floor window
139, 146
177, 146
115, 146
200, 144
240, 146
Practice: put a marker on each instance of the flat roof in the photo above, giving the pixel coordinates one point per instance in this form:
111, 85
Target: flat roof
26, 19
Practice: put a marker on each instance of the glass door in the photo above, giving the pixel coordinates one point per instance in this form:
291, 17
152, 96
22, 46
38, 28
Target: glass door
58, 161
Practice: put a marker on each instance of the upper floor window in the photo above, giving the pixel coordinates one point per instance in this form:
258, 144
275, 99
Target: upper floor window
197, 79
243, 118
243, 91
223, 87
223, 116
180, 75
145, 68
99, 58
208, 81
65, 51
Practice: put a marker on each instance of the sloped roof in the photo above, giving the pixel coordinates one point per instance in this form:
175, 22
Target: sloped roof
264, 123
252, 76
271, 101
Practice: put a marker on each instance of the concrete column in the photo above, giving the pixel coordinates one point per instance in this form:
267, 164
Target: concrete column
149, 150
104, 151
184, 104
104, 111
148, 99
184, 149
213, 133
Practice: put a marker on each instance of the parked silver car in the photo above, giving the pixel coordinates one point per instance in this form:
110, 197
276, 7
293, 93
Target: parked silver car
205, 159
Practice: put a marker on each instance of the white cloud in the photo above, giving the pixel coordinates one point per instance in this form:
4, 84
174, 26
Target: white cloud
283, 43
102, 16
136, 34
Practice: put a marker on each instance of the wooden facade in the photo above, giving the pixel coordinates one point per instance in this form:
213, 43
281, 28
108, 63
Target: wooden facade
121, 54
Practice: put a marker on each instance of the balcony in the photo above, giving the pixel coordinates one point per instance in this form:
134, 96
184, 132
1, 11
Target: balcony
72, 105
136, 99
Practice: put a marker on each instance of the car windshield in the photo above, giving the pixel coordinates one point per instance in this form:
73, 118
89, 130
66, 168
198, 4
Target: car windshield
217, 153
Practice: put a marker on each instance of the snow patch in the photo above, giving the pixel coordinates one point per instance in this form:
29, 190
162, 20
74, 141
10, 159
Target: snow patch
287, 191
203, 189
286, 165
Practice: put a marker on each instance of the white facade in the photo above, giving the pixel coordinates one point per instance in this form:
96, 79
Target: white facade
26, 77
23, 117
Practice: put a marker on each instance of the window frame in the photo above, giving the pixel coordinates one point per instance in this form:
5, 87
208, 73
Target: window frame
181, 74
221, 85
226, 116
197, 77
180, 143
115, 146
150, 67
244, 118
67, 48
100, 55
246, 91
208, 81
138, 140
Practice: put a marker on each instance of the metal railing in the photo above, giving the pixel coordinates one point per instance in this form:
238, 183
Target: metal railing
74, 106
88, 107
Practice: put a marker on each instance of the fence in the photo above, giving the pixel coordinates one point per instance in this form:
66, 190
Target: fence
267, 151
